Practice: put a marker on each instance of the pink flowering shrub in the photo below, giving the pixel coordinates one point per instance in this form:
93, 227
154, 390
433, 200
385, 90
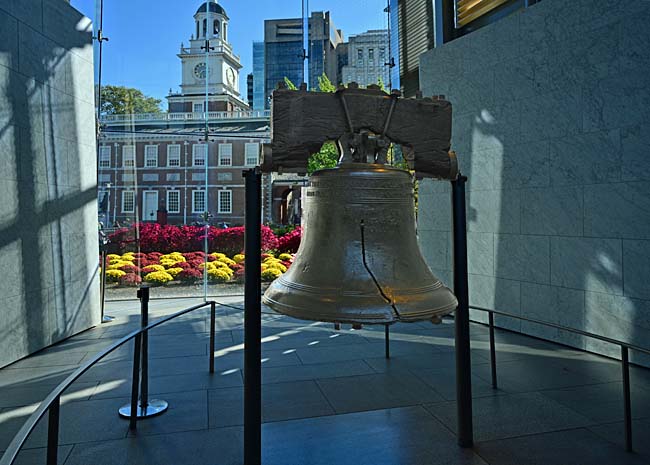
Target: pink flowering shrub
290, 242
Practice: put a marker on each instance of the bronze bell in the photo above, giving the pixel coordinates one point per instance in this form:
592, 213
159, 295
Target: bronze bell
359, 261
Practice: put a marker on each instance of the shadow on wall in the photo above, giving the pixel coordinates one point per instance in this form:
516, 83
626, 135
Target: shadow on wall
543, 101
48, 225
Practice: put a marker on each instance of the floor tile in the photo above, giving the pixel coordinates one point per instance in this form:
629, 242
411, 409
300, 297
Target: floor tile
577, 446
383, 437
283, 401
376, 391
615, 433
500, 417
602, 403
315, 371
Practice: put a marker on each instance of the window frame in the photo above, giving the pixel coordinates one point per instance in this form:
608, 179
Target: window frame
223, 156
205, 203
150, 156
204, 155
169, 158
104, 157
132, 156
257, 153
219, 198
123, 201
178, 193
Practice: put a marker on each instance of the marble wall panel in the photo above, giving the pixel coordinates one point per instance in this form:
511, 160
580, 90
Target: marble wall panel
636, 269
590, 158
524, 258
563, 135
554, 211
635, 150
618, 210
587, 263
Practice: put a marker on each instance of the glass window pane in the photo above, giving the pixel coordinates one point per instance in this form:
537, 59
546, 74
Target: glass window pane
225, 154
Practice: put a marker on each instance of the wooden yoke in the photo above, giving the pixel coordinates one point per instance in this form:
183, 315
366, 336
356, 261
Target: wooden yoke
363, 122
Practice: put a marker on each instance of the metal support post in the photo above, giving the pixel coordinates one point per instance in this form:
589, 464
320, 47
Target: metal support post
213, 311
102, 287
143, 295
53, 432
135, 383
493, 352
461, 289
625, 363
253, 321
148, 408
387, 340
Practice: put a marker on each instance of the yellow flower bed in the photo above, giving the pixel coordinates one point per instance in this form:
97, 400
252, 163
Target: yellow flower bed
153, 268
239, 258
285, 256
158, 277
219, 275
270, 274
174, 271
114, 275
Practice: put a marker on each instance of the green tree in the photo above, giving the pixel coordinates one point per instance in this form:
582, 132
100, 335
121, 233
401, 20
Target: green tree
119, 100
290, 85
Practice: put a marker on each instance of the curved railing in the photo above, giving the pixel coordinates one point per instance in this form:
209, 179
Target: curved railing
625, 362
52, 402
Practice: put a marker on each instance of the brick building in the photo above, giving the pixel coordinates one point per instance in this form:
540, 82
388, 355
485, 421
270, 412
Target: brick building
161, 162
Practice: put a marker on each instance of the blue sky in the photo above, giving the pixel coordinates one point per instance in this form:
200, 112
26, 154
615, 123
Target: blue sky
145, 35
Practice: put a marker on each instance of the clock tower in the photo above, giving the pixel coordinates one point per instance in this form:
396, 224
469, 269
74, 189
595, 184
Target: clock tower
209, 66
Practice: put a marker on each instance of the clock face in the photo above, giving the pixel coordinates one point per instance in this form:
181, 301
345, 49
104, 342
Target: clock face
199, 71
230, 77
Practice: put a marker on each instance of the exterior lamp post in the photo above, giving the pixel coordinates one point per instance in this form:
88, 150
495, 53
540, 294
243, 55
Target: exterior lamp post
116, 145
186, 144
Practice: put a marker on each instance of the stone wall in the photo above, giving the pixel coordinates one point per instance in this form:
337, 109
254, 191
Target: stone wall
552, 127
48, 207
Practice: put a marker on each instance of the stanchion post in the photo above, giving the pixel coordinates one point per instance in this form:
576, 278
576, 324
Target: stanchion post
627, 402
253, 321
143, 295
135, 382
461, 289
213, 311
387, 340
493, 351
53, 432
102, 289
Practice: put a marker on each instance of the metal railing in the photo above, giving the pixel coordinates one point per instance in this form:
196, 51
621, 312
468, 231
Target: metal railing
189, 116
625, 362
52, 403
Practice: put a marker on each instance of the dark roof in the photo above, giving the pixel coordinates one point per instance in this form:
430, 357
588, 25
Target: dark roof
214, 8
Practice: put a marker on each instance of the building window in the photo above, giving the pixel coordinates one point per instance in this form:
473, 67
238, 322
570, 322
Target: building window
225, 176
360, 56
128, 156
128, 201
382, 53
371, 55
225, 154
197, 108
225, 201
105, 156
174, 155
198, 201
173, 201
198, 154
150, 156
252, 151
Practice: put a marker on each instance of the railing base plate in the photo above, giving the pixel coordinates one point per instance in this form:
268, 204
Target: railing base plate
154, 407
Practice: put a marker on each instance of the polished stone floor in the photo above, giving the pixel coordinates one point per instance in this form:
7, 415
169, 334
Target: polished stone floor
330, 397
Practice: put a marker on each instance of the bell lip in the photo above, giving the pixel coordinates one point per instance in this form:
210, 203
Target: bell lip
352, 166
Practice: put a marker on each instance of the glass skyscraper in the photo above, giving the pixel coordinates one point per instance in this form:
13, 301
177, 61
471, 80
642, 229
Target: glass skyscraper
258, 76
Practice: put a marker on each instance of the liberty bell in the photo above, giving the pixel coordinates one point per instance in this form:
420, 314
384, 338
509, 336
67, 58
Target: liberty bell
359, 260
